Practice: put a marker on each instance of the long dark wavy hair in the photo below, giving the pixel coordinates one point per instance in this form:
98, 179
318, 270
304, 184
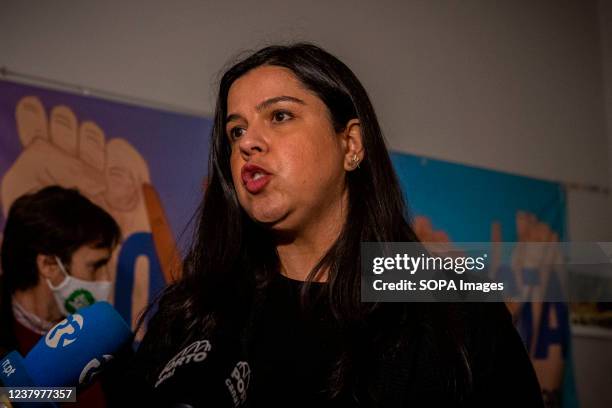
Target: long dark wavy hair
232, 258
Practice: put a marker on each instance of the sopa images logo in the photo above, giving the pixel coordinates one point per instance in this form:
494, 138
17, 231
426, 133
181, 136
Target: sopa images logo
65, 332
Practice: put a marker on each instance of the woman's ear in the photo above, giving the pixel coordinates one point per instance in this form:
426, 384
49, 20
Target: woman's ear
49, 269
353, 145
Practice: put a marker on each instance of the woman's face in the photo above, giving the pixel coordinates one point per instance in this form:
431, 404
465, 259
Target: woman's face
287, 161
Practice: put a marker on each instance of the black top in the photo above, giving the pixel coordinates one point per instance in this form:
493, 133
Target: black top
291, 352
294, 352
293, 349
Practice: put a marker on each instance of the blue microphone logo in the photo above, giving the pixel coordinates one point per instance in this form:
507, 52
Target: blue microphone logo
65, 332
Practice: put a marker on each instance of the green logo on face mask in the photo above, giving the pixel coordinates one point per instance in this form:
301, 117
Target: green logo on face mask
78, 299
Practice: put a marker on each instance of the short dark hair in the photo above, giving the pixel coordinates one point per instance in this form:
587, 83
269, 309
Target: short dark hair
53, 221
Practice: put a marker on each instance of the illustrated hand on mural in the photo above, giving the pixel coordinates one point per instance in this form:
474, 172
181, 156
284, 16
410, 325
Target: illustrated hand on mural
533, 258
52, 153
57, 149
436, 241
531, 265
425, 232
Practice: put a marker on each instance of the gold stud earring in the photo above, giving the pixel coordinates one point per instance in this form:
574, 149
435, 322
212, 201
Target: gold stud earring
355, 161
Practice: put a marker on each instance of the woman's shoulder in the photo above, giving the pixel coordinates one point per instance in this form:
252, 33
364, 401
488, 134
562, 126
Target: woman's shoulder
479, 319
479, 332
462, 351
500, 367
470, 319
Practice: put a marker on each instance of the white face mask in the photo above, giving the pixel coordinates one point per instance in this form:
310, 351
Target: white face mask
73, 293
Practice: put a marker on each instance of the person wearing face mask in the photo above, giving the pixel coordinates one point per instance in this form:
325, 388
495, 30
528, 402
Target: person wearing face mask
74, 293
54, 254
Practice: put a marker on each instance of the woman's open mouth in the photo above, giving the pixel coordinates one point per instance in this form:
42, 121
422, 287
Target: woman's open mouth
254, 178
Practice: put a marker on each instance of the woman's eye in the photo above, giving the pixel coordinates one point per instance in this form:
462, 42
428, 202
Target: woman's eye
236, 132
281, 116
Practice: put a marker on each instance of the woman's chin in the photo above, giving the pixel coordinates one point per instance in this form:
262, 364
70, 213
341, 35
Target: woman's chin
270, 217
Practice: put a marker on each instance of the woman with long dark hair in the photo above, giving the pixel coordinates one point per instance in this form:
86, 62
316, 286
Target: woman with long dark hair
299, 176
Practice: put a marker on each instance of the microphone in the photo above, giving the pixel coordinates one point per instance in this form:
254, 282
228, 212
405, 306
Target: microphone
71, 353
204, 374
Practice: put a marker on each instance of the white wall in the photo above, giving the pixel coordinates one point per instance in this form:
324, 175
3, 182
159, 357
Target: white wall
510, 85
605, 18
593, 351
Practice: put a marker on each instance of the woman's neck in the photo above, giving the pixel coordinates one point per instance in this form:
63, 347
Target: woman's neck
305, 248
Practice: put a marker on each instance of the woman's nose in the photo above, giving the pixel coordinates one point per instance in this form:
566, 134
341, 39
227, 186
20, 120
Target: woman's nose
254, 140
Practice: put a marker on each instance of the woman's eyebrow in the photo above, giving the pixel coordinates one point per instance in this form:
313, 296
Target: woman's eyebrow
267, 103
276, 99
